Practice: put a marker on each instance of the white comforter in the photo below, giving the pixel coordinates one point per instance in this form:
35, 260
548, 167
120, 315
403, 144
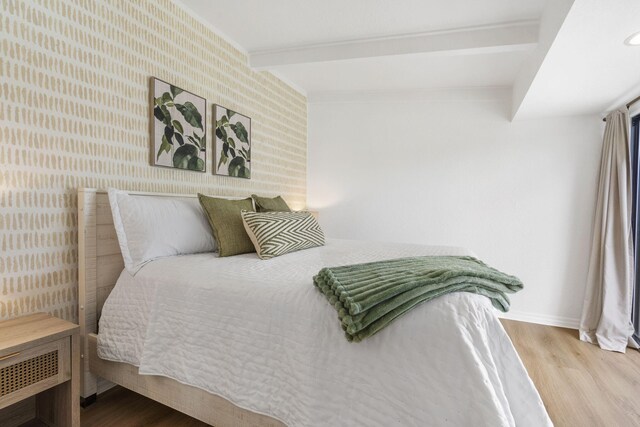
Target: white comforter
259, 334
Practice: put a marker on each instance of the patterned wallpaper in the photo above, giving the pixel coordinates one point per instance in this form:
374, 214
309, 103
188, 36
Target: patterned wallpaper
74, 82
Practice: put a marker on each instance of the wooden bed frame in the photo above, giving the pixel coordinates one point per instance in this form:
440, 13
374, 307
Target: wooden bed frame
100, 264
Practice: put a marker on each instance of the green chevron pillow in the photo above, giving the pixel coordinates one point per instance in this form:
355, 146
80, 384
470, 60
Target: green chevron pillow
278, 233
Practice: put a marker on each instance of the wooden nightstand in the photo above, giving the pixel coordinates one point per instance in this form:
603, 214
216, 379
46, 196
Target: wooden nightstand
39, 356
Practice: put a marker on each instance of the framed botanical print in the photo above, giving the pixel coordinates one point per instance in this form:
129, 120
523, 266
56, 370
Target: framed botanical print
232, 143
178, 133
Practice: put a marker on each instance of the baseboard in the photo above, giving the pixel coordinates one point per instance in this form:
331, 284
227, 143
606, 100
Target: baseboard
541, 319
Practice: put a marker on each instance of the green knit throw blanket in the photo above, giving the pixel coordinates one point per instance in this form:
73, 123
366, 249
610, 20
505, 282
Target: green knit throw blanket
370, 296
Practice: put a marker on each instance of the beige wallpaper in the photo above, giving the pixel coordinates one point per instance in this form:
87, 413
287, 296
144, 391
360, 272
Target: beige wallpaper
74, 113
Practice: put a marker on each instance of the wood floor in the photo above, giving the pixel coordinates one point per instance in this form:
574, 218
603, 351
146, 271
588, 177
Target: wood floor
580, 385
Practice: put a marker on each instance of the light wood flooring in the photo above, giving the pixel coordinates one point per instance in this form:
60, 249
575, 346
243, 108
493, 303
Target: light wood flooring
580, 385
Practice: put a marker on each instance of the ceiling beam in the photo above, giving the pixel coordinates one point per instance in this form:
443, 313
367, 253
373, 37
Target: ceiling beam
551, 21
506, 37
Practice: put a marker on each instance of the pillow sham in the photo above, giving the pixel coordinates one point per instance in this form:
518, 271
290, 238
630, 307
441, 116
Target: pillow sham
226, 223
278, 233
150, 227
266, 204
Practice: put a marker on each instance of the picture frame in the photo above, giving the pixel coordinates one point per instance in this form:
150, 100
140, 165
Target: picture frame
232, 145
178, 127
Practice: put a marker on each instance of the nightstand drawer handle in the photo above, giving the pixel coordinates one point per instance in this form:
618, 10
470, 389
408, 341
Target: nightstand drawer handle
9, 356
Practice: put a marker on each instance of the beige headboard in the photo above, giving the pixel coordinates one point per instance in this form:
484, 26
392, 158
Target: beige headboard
99, 266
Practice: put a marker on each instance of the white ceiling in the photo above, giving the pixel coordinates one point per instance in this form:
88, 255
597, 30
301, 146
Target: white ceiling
271, 24
560, 57
404, 72
588, 69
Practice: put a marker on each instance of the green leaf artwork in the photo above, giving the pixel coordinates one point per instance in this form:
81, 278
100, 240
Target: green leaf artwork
232, 143
158, 114
193, 140
186, 157
175, 91
166, 115
168, 132
240, 132
235, 165
164, 147
221, 133
196, 164
178, 131
223, 160
176, 124
190, 114
166, 98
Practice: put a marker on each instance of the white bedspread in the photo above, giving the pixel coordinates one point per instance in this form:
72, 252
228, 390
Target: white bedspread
259, 334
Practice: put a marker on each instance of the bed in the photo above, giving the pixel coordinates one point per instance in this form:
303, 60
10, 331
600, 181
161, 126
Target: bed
242, 341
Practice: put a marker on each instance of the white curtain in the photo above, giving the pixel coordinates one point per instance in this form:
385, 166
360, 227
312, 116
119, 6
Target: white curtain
606, 315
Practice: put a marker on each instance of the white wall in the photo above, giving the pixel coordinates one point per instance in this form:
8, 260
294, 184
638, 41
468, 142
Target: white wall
457, 172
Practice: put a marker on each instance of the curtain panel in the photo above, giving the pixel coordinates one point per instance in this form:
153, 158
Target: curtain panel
606, 314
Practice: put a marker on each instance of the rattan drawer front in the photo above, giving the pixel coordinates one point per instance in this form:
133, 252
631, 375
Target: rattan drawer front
33, 370
23, 374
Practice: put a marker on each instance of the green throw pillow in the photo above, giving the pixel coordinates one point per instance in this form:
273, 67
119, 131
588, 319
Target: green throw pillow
266, 204
226, 223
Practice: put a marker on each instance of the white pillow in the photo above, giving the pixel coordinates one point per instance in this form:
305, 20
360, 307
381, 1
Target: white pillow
150, 227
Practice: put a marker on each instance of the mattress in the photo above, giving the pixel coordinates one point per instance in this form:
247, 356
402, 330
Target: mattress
259, 334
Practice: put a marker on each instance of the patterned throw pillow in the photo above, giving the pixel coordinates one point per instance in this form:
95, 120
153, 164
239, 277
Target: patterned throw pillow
278, 233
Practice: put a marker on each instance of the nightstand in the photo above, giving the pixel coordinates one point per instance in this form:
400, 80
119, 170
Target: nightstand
39, 356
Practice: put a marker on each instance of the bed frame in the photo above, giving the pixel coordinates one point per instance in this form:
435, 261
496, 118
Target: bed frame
100, 264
